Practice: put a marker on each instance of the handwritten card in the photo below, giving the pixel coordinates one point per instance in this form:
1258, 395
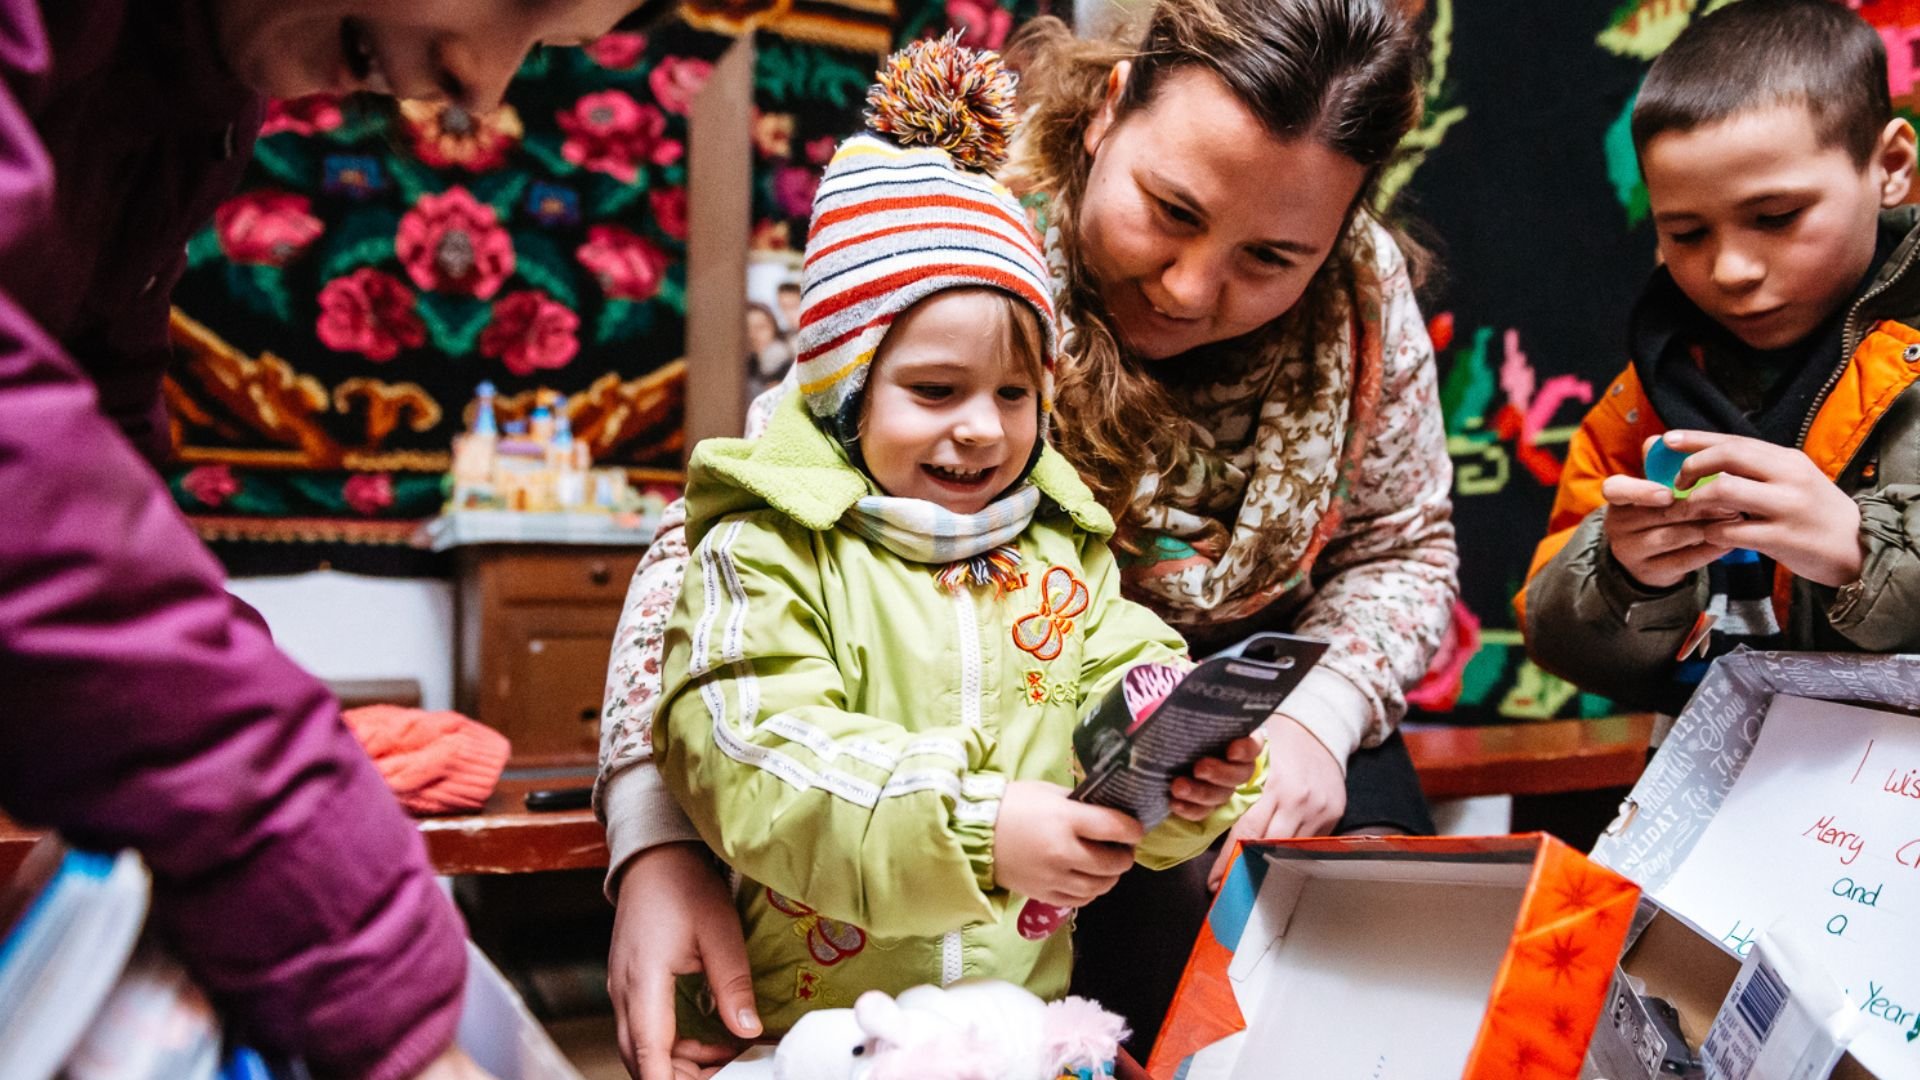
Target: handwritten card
1821, 832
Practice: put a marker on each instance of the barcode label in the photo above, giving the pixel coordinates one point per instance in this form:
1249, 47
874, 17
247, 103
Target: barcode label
1760, 1003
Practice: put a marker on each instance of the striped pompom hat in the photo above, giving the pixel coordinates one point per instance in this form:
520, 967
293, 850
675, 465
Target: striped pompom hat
906, 210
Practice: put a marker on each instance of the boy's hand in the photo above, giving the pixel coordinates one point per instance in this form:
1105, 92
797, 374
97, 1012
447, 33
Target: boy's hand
1057, 851
1657, 539
1214, 780
1774, 500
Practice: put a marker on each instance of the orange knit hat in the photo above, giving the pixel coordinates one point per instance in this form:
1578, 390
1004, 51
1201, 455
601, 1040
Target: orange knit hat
435, 762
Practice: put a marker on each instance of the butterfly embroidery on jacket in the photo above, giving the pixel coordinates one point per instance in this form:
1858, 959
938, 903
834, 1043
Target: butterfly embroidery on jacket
1062, 598
829, 941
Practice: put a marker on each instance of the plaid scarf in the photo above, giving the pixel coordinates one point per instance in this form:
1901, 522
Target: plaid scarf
970, 549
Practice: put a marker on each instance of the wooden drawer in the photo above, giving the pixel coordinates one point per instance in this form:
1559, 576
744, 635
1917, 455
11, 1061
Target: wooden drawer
590, 577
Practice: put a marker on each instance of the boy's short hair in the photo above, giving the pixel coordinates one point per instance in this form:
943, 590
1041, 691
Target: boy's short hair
1755, 54
789, 287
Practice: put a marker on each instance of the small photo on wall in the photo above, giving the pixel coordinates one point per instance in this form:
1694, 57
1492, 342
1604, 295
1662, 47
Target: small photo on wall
773, 318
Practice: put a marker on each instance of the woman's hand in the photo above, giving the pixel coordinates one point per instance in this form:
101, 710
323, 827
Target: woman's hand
674, 917
1057, 851
1214, 780
1304, 795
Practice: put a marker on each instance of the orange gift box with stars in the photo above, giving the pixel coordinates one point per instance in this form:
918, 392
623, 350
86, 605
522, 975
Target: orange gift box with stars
1415, 957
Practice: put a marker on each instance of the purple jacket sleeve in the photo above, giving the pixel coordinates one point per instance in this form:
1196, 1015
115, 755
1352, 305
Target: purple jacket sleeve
142, 706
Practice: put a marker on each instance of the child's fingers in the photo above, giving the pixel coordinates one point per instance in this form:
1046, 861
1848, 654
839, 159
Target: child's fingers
1212, 772
1623, 490
1247, 750
1192, 811
1102, 825
1732, 497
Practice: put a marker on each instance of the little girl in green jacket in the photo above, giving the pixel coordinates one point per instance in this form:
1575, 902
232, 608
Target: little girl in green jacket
901, 599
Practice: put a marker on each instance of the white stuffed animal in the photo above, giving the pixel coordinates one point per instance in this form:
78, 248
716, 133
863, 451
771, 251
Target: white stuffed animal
986, 1030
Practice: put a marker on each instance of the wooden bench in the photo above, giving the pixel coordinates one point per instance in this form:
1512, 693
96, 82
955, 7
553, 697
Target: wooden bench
1543, 758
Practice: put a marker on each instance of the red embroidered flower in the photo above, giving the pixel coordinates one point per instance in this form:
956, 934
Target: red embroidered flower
269, 228
610, 132
370, 313
617, 51
530, 331
447, 136
773, 134
454, 243
670, 211
308, 115
794, 188
677, 81
983, 24
627, 266
212, 485
820, 150
369, 493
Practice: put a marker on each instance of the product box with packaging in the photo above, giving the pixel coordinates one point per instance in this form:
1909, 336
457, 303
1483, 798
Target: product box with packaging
1786, 801
1403, 957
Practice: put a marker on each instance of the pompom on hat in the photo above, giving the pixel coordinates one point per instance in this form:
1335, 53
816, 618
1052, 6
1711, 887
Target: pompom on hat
904, 211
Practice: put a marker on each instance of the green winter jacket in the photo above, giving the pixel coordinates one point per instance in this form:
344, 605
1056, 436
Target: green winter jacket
840, 729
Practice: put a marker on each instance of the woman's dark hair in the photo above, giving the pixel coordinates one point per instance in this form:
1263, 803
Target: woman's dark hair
1345, 74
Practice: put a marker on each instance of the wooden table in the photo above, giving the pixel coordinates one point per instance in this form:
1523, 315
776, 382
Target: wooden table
1543, 758
1512, 759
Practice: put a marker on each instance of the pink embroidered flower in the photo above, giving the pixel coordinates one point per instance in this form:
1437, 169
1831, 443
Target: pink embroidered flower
269, 228
447, 136
670, 211
369, 493
1439, 689
308, 115
820, 150
370, 313
531, 331
773, 134
794, 188
770, 236
610, 132
454, 243
212, 485
677, 81
617, 51
626, 265
983, 24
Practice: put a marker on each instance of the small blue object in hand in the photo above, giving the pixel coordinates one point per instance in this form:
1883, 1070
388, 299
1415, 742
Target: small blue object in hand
1663, 467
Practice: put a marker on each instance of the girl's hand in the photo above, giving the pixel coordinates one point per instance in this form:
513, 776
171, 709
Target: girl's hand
1304, 795
1214, 780
1057, 851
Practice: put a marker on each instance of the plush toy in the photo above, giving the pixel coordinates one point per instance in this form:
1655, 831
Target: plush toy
983, 1030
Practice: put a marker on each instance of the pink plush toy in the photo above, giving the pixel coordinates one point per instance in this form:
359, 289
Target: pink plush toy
984, 1030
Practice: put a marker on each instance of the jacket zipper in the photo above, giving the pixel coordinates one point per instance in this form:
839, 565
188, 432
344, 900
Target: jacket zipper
1848, 342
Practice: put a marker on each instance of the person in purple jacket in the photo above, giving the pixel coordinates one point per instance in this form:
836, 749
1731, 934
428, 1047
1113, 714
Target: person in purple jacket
140, 704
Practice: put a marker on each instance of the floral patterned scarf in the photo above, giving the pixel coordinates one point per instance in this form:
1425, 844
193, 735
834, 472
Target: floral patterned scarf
1277, 433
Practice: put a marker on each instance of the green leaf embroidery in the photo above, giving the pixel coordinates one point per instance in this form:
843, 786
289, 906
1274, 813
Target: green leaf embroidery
263, 289
283, 159
622, 320
454, 322
501, 191
538, 260
203, 248
363, 239
544, 147
612, 197
413, 179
